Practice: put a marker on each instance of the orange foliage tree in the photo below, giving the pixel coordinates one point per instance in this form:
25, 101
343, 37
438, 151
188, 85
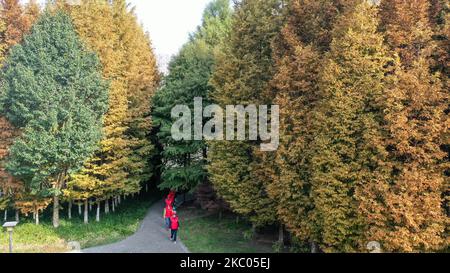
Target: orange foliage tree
405, 205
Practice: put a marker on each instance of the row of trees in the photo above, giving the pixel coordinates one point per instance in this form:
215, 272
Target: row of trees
363, 92
190, 71
78, 88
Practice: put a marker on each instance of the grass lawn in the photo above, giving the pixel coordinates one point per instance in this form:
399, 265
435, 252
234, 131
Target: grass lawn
29, 238
203, 233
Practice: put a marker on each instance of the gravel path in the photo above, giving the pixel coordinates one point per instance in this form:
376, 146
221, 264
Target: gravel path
150, 238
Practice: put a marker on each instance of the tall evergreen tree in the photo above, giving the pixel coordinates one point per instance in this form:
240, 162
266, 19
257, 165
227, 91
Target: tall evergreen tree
16, 22
97, 23
188, 78
348, 116
407, 27
298, 55
406, 208
242, 74
142, 76
121, 166
410, 213
52, 88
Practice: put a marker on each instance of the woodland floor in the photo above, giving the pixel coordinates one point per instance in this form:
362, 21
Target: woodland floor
137, 227
200, 232
29, 238
208, 233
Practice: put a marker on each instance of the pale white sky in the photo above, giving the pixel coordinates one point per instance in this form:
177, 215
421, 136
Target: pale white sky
169, 23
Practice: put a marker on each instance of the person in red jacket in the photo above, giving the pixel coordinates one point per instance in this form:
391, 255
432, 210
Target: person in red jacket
174, 226
168, 212
172, 193
170, 199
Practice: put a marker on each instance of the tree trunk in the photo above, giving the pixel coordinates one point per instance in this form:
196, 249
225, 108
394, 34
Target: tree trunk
314, 248
281, 235
119, 198
106, 206
56, 211
237, 219
5, 217
79, 209
253, 230
90, 206
146, 187
36, 217
69, 211
97, 216
17, 215
86, 211
113, 205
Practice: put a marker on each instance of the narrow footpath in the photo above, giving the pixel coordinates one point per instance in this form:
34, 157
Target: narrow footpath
150, 238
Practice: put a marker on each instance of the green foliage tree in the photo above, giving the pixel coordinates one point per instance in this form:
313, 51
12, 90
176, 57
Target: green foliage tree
188, 78
52, 88
15, 22
183, 160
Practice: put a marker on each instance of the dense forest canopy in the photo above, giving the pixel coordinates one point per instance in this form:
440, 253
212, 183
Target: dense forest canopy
362, 88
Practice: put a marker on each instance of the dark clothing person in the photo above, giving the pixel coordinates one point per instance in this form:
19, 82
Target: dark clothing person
173, 234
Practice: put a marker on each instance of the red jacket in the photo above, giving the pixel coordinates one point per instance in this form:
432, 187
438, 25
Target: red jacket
169, 201
171, 195
169, 211
174, 224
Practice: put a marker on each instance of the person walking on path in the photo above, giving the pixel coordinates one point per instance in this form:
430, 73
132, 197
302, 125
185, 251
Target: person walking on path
171, 198
169, 201
174, 226
168, 209
168, 212
151, 237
